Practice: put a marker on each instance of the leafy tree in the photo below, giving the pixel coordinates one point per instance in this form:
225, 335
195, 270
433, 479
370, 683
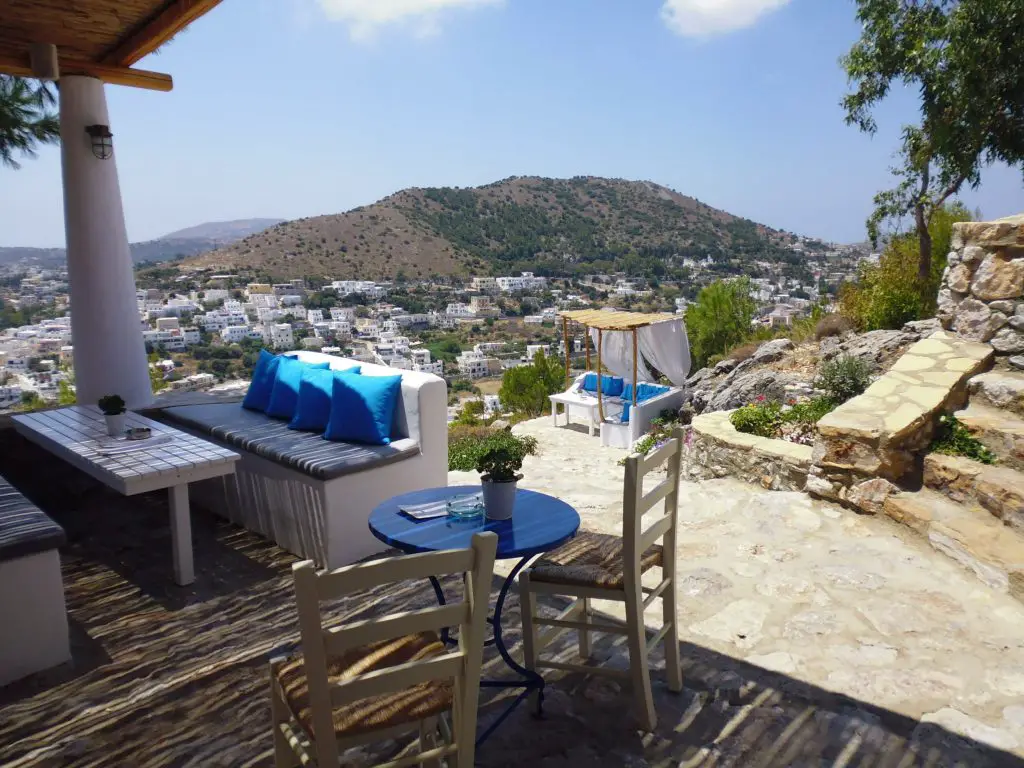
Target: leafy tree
525, 388
65, 394
26, 118
719, 319
890, 293
966, 60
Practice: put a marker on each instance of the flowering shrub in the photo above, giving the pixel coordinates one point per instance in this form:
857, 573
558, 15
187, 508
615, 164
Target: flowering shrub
794, 423
661, 431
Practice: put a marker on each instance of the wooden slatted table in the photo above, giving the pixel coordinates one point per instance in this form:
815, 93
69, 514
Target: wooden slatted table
172, 459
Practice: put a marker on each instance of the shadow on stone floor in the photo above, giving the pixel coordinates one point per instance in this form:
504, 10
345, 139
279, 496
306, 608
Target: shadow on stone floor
157, 681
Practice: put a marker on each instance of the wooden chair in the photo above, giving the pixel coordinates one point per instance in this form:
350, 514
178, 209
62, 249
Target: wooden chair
378, 678
604, 567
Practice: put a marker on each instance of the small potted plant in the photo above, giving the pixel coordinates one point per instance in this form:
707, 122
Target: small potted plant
113, 412
499, 464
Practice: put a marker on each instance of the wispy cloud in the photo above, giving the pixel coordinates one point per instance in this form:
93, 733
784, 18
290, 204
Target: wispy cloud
365, 18
704, 18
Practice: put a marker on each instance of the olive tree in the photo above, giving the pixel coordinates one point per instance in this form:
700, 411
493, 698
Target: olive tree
965, 59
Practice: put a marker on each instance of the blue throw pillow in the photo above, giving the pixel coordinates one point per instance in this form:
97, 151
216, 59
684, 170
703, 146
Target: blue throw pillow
363, 408
313, 409
263, 375
612, 386
285, 394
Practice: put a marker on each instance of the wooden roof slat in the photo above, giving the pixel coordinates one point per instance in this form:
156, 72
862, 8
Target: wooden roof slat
157, 30
613, 320
102, 38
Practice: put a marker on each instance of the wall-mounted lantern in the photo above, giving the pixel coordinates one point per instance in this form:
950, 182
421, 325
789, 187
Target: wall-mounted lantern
102, 140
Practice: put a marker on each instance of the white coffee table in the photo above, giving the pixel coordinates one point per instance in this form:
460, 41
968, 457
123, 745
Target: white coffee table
172, 459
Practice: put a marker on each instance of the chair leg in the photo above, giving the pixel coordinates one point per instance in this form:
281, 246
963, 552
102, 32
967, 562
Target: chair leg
638, 664
528, 609
673, 670
584, 634
428, 740
284, 755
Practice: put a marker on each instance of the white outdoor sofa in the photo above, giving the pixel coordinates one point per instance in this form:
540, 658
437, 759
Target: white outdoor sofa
581, 402
312, 496
34, 631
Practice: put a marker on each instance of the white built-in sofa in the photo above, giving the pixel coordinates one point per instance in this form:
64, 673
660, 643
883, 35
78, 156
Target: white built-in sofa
312, 496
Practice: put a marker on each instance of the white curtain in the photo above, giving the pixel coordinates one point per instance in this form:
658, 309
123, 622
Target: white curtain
667, 348
617, 355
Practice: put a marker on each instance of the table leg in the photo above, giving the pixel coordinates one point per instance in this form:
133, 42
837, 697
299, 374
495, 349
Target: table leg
181, 535
529, 681
554, 413
592, 420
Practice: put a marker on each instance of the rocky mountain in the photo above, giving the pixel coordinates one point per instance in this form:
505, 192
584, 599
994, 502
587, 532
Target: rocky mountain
551, 226
184, 242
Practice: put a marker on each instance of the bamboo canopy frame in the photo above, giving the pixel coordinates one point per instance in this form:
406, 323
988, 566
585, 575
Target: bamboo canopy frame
603, 320
98, 38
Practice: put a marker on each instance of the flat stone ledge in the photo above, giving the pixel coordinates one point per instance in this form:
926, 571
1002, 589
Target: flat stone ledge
1001, 233
880, 432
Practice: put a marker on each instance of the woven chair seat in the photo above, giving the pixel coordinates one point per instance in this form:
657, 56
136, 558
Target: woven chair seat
367, 715
590, 560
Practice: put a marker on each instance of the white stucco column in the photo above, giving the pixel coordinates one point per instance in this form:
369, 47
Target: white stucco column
110, 357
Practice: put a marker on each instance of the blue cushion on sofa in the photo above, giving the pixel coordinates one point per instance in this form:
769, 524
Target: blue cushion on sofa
363, 408
285, 394
644, 391
263, 375
611, 386
313, 409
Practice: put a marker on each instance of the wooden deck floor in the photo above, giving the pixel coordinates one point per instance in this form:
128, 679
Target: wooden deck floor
171, 676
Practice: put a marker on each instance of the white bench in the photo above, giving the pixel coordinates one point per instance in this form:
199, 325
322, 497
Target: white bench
312, 496
34, 629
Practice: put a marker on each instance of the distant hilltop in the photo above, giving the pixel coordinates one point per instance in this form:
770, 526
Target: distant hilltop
552, 226
185, 242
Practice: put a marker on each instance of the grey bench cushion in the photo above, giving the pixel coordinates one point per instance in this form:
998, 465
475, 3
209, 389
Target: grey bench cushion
271, 439
24, 528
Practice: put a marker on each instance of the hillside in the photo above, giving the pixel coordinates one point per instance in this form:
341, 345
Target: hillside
552, 226
185, 242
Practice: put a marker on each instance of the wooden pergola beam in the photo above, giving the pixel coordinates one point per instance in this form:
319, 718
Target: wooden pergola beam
135, 78
157, 30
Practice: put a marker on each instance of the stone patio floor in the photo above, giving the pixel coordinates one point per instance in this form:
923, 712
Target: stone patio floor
851, 603
812, 637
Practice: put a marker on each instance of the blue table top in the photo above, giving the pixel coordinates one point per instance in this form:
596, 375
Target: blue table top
539, 524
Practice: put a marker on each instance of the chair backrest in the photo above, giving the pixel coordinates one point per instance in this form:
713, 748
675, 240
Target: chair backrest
644, 521
319, 643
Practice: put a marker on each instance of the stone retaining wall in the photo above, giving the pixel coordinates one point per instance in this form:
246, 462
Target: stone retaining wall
982, 293
715, 449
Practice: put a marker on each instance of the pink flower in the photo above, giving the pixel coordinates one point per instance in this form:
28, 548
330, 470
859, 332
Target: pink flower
760, 398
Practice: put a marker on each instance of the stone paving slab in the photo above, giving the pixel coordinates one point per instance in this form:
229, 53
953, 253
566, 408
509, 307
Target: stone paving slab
854, 604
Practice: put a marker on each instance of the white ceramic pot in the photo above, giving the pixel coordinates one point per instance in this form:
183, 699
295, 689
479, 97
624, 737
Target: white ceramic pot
499, 499
115, 424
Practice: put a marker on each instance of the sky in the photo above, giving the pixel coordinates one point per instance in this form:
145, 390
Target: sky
293, 108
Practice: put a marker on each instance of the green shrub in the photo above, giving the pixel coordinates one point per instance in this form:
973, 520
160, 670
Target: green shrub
809, 411
660, 431
467, 444
844, 377
763, 418
953, 439
890, 293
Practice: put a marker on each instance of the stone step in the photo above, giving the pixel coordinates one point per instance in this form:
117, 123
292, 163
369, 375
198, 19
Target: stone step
969, 535
1000, 490
1002, 432
999, 389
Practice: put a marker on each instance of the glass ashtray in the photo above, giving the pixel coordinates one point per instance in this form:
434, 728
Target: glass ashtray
465, 507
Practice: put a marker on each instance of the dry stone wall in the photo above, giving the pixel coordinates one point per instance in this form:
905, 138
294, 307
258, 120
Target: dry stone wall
982, 293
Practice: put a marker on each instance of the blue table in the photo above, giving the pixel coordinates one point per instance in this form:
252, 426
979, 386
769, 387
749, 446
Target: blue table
539, 524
